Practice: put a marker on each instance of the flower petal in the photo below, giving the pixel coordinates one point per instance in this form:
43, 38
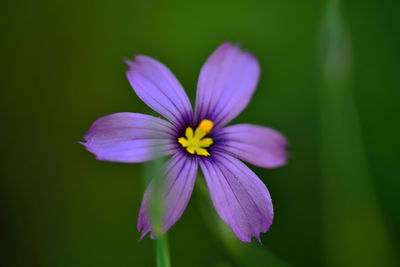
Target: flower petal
180, 177
156, 86
226, 84
260, 146
239, 196
130, 137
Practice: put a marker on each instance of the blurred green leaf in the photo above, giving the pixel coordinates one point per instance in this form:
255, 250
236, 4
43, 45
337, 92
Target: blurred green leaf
355, 232
243, 254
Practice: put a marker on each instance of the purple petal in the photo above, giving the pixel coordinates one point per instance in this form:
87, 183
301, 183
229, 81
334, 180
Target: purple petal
156, 86
226, 84
260, 146
130, 137
239, 196
180, 176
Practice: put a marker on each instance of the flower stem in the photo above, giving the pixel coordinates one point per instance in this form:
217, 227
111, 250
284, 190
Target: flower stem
162, 251
155, 171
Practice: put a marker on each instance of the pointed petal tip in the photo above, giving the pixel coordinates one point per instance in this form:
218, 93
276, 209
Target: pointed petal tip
136, 60
128, 62
142, 229
83, 143
226, 44
229, 43
143, 234
259, 240
237, 46
152, 236
140, 59
249, 239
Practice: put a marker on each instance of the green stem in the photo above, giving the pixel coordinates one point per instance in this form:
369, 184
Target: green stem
162, 251
155, 170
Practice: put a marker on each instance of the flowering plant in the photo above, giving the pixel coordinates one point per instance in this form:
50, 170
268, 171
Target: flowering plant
226, 84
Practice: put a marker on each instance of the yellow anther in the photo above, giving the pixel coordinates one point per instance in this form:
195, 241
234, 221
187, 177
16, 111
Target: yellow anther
206, 125
194, 142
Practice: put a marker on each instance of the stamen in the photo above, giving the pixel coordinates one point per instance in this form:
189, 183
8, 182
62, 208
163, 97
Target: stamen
206, 125
195, 143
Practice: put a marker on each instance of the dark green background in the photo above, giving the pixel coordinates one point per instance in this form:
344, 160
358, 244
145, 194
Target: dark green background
61, 69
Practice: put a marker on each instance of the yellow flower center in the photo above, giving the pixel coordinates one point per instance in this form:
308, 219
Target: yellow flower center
196, 143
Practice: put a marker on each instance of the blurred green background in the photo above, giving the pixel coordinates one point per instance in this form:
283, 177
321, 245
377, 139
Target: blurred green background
336, 202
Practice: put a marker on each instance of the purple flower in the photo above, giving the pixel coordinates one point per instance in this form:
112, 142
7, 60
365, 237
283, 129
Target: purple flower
226, 84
